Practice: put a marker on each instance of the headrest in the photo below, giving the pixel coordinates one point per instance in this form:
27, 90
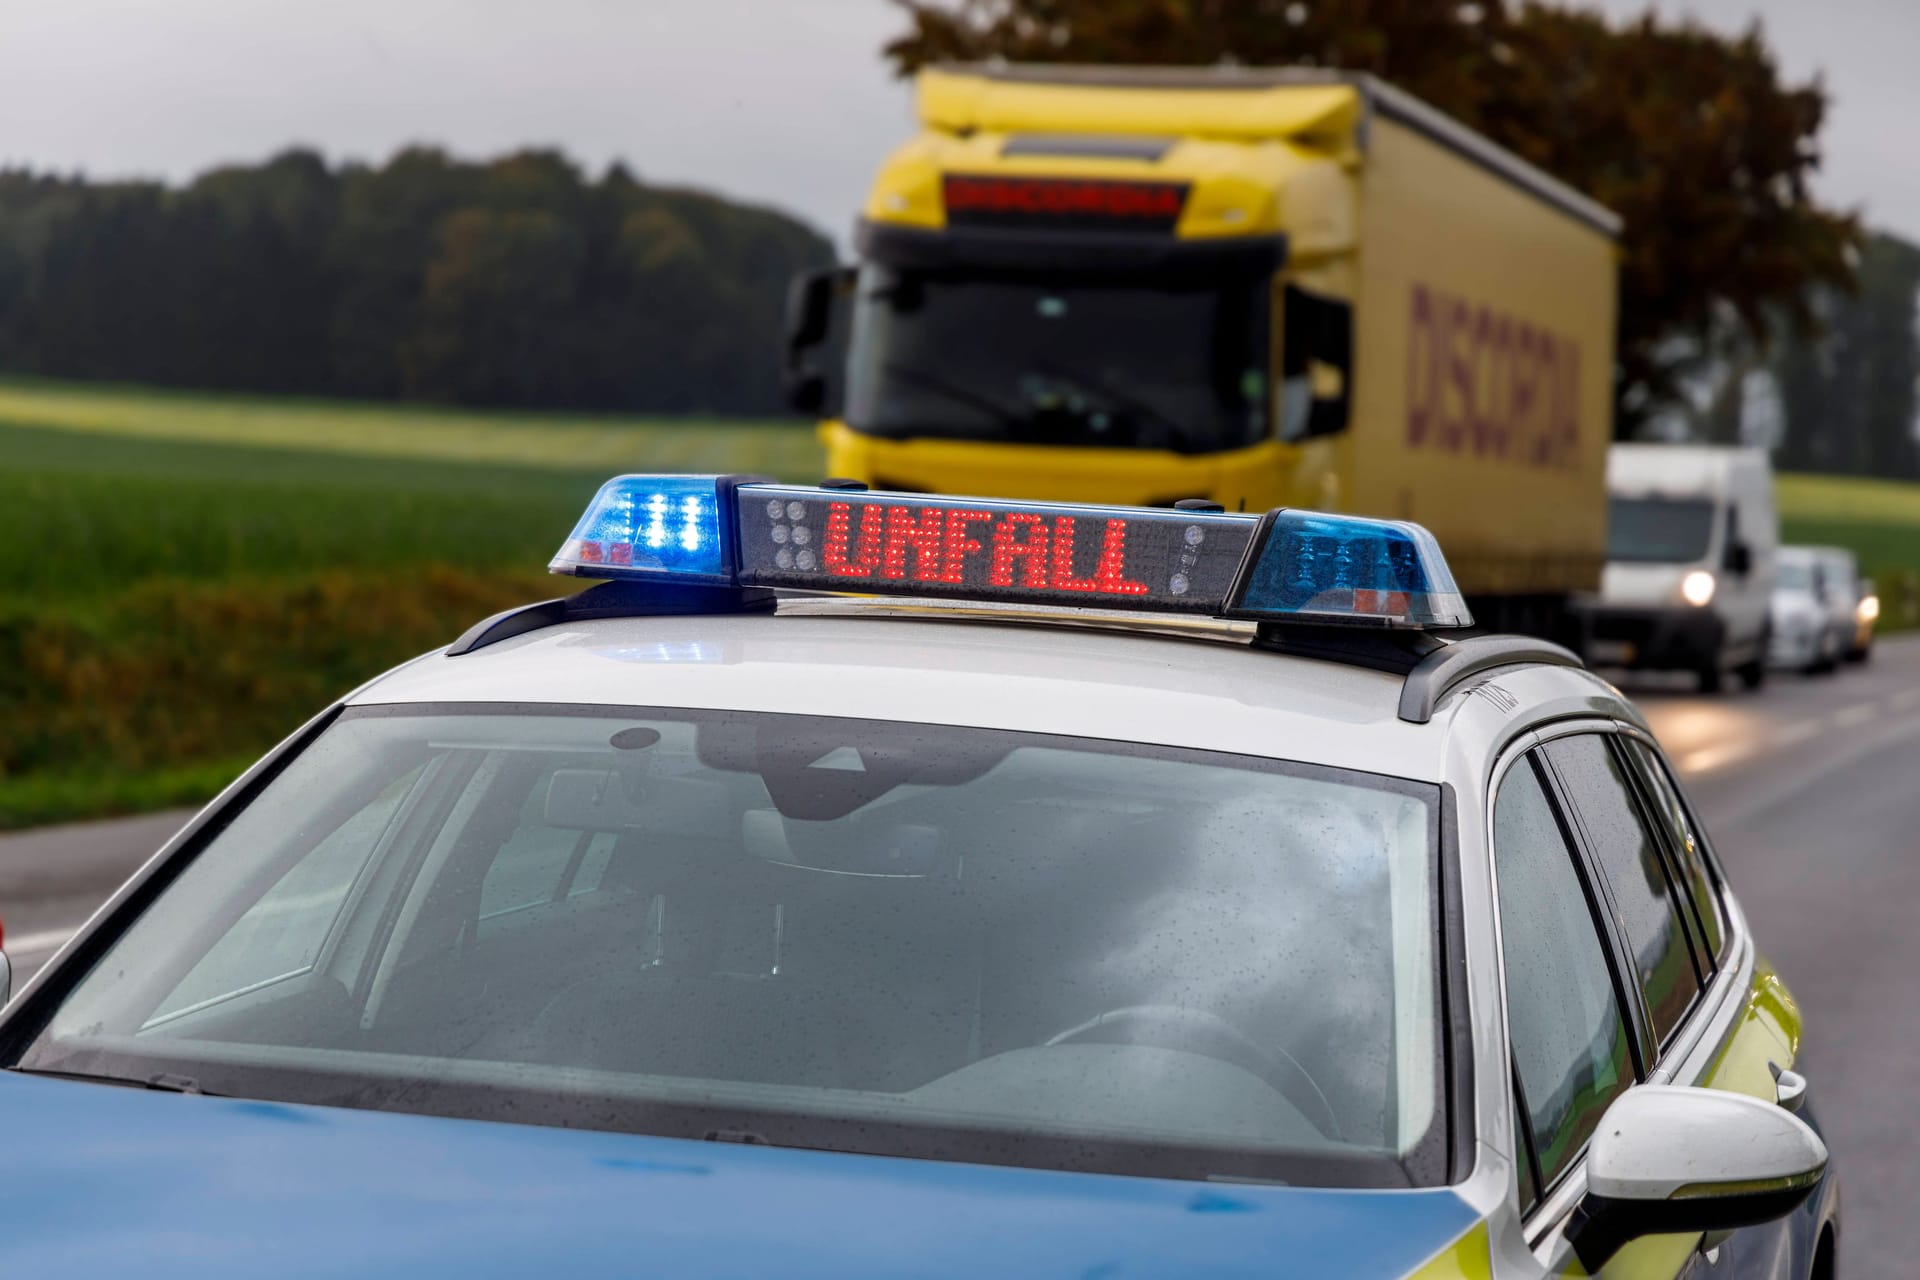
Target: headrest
598, 800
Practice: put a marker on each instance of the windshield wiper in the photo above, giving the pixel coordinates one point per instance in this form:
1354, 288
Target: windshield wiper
164, 1082
1001, 415
1136, 408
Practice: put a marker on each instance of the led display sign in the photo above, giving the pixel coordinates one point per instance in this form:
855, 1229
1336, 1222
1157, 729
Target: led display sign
1062, 202
1122, 557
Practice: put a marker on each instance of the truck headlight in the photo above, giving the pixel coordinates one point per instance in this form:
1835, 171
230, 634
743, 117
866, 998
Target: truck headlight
1697, 588
1868, 609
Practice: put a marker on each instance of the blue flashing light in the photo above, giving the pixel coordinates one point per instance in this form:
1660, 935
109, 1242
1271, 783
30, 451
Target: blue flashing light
1316, 568
651, 527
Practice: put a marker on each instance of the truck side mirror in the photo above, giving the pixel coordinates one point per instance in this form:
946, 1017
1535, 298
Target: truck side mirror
807, 392
810, 307
1673, 1160
1739, 558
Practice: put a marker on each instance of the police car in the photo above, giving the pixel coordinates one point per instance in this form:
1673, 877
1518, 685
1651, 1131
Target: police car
864, 884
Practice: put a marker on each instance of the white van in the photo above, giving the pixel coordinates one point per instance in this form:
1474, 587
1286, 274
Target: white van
1691, 539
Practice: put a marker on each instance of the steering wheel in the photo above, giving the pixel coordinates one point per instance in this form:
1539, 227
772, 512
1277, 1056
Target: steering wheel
1168, 1026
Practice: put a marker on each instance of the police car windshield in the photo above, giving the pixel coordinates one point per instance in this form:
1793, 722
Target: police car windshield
910, 940
1119, 362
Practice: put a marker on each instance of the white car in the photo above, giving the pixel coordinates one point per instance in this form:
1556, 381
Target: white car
1811, 618
1152, 892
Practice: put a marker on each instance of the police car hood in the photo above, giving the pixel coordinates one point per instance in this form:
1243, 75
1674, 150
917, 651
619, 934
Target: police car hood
99, 1180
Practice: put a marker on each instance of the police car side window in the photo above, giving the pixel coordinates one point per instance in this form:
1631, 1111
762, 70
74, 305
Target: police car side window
1628, 854
1688, 845
281, 934
1570, 1043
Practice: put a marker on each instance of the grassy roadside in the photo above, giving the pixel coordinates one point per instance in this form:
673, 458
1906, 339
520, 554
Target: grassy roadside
163, 695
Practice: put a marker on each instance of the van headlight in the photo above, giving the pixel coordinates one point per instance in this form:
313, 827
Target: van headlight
1697, 588
1868, 609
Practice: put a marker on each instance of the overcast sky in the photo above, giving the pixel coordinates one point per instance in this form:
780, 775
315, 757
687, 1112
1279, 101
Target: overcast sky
780, 101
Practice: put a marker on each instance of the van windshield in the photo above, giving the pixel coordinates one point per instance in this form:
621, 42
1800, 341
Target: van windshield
1122, 362
1659, 530
925, 941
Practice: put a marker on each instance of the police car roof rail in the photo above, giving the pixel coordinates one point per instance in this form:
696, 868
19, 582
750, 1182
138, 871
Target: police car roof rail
616, 599
1445, 668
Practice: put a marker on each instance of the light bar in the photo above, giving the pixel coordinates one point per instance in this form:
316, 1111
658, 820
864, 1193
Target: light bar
1348, 570
651, 527
1286, 566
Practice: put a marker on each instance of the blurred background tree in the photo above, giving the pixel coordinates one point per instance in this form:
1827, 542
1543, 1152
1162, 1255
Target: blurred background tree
1692, 137
517, 282
1849, 398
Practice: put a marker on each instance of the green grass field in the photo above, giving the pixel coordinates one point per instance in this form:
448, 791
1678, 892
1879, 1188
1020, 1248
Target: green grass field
185, 578
1878, 520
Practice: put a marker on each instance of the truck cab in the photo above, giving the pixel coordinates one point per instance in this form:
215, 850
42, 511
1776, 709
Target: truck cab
1079, 285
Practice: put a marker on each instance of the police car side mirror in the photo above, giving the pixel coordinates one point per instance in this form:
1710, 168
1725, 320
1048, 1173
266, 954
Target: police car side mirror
1672, 1160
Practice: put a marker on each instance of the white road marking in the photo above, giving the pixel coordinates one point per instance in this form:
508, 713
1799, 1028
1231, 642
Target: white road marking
1850, 716
1798, 731
1707, 759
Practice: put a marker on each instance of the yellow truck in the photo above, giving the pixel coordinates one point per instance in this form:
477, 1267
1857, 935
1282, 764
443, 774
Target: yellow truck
1253, 287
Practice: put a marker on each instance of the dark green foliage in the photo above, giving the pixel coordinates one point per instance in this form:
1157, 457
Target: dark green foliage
161, 696
512, 282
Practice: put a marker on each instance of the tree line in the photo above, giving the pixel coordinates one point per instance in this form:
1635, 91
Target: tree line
517, 282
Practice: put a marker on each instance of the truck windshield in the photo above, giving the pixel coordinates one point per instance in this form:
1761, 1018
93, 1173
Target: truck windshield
1659, 530
1123, 362
909, 940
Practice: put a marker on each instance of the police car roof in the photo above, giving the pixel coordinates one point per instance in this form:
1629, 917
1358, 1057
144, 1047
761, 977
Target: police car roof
1175, 682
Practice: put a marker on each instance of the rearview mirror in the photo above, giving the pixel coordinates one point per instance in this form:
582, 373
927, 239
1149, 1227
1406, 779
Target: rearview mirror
1672, 1160
1739, 558
6, 978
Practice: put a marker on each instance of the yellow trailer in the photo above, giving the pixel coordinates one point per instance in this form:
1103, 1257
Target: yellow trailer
1256, 287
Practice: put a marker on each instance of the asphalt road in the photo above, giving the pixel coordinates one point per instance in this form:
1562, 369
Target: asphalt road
1809, 788
1810, 791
